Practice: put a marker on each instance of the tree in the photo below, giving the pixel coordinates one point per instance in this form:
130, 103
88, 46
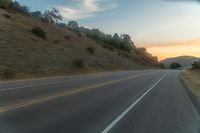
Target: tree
126, 43
20, 8
116, 40
5, 3
175, 65
73, 25
37, 14
62, 25
162, 65
52, 16
196, 65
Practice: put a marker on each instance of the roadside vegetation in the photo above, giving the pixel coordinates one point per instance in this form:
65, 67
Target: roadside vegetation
196, 65
175, 65
7, 72
53, 16
45, 46
191, 78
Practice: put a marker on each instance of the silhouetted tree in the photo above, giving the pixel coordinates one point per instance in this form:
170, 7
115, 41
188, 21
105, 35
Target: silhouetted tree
175, 65
162, 65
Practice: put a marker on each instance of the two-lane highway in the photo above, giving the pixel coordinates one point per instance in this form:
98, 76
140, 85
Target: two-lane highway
150, 101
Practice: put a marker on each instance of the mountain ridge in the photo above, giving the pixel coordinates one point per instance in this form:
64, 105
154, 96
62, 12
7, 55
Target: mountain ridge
185, 61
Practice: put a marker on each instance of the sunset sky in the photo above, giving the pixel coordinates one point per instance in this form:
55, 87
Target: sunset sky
167, 28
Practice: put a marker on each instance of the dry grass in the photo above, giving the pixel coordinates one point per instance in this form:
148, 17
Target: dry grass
31, 55
192, 79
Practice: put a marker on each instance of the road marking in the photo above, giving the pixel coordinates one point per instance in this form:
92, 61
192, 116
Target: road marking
62, 94
43, 84
114, 122
96, 75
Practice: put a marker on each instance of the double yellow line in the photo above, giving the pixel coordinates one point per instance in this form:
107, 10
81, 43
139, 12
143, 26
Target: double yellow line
62, 94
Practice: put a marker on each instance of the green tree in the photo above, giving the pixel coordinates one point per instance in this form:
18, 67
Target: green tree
5, 3
116, 40
175, 65
126, 43
52, 16
73, 25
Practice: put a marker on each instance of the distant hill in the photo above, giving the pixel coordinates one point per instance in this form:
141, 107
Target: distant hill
185, 61
61, 52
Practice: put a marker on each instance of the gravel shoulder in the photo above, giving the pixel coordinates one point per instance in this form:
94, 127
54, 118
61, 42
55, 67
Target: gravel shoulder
191, 82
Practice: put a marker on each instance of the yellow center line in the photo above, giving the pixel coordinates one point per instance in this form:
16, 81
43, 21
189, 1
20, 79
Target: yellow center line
62, 94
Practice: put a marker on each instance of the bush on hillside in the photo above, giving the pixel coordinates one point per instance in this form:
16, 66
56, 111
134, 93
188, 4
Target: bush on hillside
9, 73
91, 50
175, 65
79, 63
109, 47
39, 32
196, 65
7, 16
68, 38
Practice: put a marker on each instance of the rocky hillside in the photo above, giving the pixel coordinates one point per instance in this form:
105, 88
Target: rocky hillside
60, 52
185, 61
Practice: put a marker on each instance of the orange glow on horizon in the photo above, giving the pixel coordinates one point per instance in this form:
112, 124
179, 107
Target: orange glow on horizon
173, 49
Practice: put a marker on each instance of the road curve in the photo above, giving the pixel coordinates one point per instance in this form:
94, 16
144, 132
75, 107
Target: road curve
148, 101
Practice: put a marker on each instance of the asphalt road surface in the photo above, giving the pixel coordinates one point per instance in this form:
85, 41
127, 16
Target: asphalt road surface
148, 101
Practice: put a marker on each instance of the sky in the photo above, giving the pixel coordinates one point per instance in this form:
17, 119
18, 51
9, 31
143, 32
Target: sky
167, 28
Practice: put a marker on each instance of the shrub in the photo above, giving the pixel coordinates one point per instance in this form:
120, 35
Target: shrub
108, 47
56, 41
79, 63
7, 16
175, 65
91, 50
39, 32
68, 38
196, 65
162, 65
9, 73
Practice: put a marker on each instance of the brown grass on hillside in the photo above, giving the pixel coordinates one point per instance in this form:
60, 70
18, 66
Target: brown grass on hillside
31, 55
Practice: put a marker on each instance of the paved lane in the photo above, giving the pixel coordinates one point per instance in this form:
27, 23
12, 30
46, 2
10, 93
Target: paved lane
90, 104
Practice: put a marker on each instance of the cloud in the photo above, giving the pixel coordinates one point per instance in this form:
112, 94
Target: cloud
86, 8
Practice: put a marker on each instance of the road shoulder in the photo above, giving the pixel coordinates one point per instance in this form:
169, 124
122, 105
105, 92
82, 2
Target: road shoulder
191, 82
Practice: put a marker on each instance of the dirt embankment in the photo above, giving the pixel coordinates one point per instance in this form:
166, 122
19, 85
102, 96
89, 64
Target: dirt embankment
62, 52
191, 81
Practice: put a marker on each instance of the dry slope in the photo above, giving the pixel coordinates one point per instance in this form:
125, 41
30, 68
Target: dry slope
29, 55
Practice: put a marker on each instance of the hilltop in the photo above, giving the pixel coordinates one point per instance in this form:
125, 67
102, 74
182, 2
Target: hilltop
185, 61
61, 52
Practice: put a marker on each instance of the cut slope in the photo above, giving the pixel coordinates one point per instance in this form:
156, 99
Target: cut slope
29, 54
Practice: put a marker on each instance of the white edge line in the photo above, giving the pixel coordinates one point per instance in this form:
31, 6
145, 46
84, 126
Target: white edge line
114, 122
